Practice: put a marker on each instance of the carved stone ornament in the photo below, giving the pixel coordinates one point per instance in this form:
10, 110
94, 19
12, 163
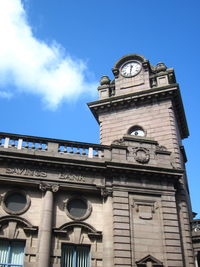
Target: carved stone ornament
161, 67
52, 187
106, 192
161, 148
118, 142
146, 209
115, 72
141, 155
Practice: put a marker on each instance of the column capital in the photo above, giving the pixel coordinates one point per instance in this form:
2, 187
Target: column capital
49, 187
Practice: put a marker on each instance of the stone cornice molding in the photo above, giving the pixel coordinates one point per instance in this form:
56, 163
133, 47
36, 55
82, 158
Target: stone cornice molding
159, 93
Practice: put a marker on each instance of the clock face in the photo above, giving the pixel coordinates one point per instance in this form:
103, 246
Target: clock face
131, 69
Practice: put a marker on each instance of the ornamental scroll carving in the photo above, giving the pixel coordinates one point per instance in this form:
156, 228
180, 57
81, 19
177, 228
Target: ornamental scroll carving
118, 142
52, 187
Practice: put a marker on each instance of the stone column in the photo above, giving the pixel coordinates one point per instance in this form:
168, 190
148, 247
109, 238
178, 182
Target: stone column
45, 228
107, 229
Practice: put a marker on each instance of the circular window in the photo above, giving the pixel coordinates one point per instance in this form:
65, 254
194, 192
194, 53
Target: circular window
136, 131
16, 202
78, 208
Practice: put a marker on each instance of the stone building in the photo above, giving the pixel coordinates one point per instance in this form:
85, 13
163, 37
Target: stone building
124, 202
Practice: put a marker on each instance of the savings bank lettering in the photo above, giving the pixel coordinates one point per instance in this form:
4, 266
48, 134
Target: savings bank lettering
26, 172
72, 177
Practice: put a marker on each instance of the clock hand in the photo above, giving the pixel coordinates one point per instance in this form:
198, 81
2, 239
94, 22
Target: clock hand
131, 66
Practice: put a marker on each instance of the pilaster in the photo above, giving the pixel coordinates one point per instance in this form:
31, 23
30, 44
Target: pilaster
45, 228
121, 228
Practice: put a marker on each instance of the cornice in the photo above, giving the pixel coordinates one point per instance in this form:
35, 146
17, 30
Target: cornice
139, 98
140, 169
104, 166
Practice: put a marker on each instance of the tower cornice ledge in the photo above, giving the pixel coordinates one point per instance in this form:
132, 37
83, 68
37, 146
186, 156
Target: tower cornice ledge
171, 91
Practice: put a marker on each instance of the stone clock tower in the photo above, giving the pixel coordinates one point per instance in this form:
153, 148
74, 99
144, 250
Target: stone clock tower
139, 109
142, 97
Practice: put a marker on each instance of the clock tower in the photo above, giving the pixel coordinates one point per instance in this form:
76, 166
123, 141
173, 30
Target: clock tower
142, 100
142, 107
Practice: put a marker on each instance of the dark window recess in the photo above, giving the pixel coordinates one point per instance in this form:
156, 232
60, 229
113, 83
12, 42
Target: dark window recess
75, 256
77, 208
11, 253
15, 202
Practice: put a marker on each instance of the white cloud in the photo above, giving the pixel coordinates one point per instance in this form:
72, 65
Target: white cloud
32, 65
5, 94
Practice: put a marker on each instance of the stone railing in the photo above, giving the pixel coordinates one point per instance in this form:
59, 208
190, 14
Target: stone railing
30, 143
130, 149
22, 142
83, 149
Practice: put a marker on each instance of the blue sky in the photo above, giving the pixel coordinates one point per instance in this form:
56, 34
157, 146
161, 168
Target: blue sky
83, 39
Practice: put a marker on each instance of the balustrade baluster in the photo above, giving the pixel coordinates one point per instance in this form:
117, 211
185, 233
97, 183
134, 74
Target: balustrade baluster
65, 149
33, 146
12, 143
40, 146
83, 151
26, 145
71, 150
78, 151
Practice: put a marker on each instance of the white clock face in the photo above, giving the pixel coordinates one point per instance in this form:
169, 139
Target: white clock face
131, 69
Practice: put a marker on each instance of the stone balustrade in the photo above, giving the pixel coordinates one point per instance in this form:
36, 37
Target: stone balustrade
30, 143
19, 143
129, 149
82, 149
